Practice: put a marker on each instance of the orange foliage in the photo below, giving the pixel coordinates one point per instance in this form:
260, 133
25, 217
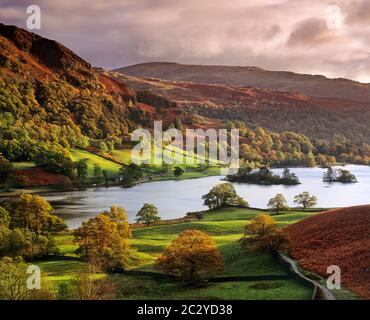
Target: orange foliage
338, 237
192, 256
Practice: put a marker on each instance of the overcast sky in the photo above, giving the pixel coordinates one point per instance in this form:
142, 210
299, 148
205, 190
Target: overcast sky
307, 36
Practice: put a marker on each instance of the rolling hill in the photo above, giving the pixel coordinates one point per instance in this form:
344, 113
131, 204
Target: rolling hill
278, 111
311, 85
338, 237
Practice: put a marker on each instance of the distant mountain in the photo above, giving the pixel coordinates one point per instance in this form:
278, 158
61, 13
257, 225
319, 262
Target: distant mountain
278, 111
311, 85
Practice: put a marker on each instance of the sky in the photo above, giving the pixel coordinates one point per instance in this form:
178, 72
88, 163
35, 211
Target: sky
306, 36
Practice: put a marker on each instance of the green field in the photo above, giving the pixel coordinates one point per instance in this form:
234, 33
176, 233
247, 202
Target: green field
225, 226
23, 165
92, 159
124, 156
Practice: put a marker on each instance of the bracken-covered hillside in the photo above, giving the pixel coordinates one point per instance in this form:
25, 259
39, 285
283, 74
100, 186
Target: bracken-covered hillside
338, 237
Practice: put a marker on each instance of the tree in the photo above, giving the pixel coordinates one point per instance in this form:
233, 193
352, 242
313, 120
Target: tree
103, 148
98, 173
305, 200
104, 239
4, 217
223, 195
147, 214
177, 171
24, 243
127, 174
346, 177
81, 167
13, 279
329, 175
278, 203
55, 161
192, 256
83, 286
34, 213
135, 171
5, 167
262, 233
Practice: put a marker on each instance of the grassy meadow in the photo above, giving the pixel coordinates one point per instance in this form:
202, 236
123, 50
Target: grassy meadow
226, 228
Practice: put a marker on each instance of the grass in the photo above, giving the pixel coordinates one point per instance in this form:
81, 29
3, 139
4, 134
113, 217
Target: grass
226, 227
110, 166
124, 156
144, 288
23, 165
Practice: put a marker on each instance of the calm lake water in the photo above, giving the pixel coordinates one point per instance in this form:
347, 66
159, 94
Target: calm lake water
175, 198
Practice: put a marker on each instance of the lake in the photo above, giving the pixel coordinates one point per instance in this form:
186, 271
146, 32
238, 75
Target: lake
175, 198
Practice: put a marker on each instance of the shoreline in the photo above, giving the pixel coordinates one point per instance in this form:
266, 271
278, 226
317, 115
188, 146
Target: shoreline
49, 189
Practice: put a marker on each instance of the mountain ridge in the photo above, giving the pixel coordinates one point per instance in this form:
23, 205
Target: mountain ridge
251, 76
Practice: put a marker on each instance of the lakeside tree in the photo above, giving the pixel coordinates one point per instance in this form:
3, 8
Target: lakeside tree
262, 233
54, 160
81, 167
35, 214
339, 175
177, 171
305, 200
5, 167
148, 214
289, 177
103, 240
192, 256
135, 170
278, 203
263, 176
223, 195
98, 173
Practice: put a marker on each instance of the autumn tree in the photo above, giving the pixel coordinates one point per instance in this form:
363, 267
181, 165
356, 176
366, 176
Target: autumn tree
104, 239
223, 195
278, 203
148, 214
305, 200
5, 167
35, 214
192, 256
4, 217
13, 278
262, 233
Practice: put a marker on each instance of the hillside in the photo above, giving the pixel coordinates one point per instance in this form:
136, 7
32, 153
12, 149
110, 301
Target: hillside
337, 237
48, 94
312, 85
278, 111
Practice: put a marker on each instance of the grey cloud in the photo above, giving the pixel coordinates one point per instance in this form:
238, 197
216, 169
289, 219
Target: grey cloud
308, 32
273, 34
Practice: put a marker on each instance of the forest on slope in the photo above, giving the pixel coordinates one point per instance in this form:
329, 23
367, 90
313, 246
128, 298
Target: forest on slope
52, 101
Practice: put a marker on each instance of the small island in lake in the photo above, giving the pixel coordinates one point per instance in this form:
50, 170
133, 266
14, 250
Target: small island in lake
339, 175
263, 176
